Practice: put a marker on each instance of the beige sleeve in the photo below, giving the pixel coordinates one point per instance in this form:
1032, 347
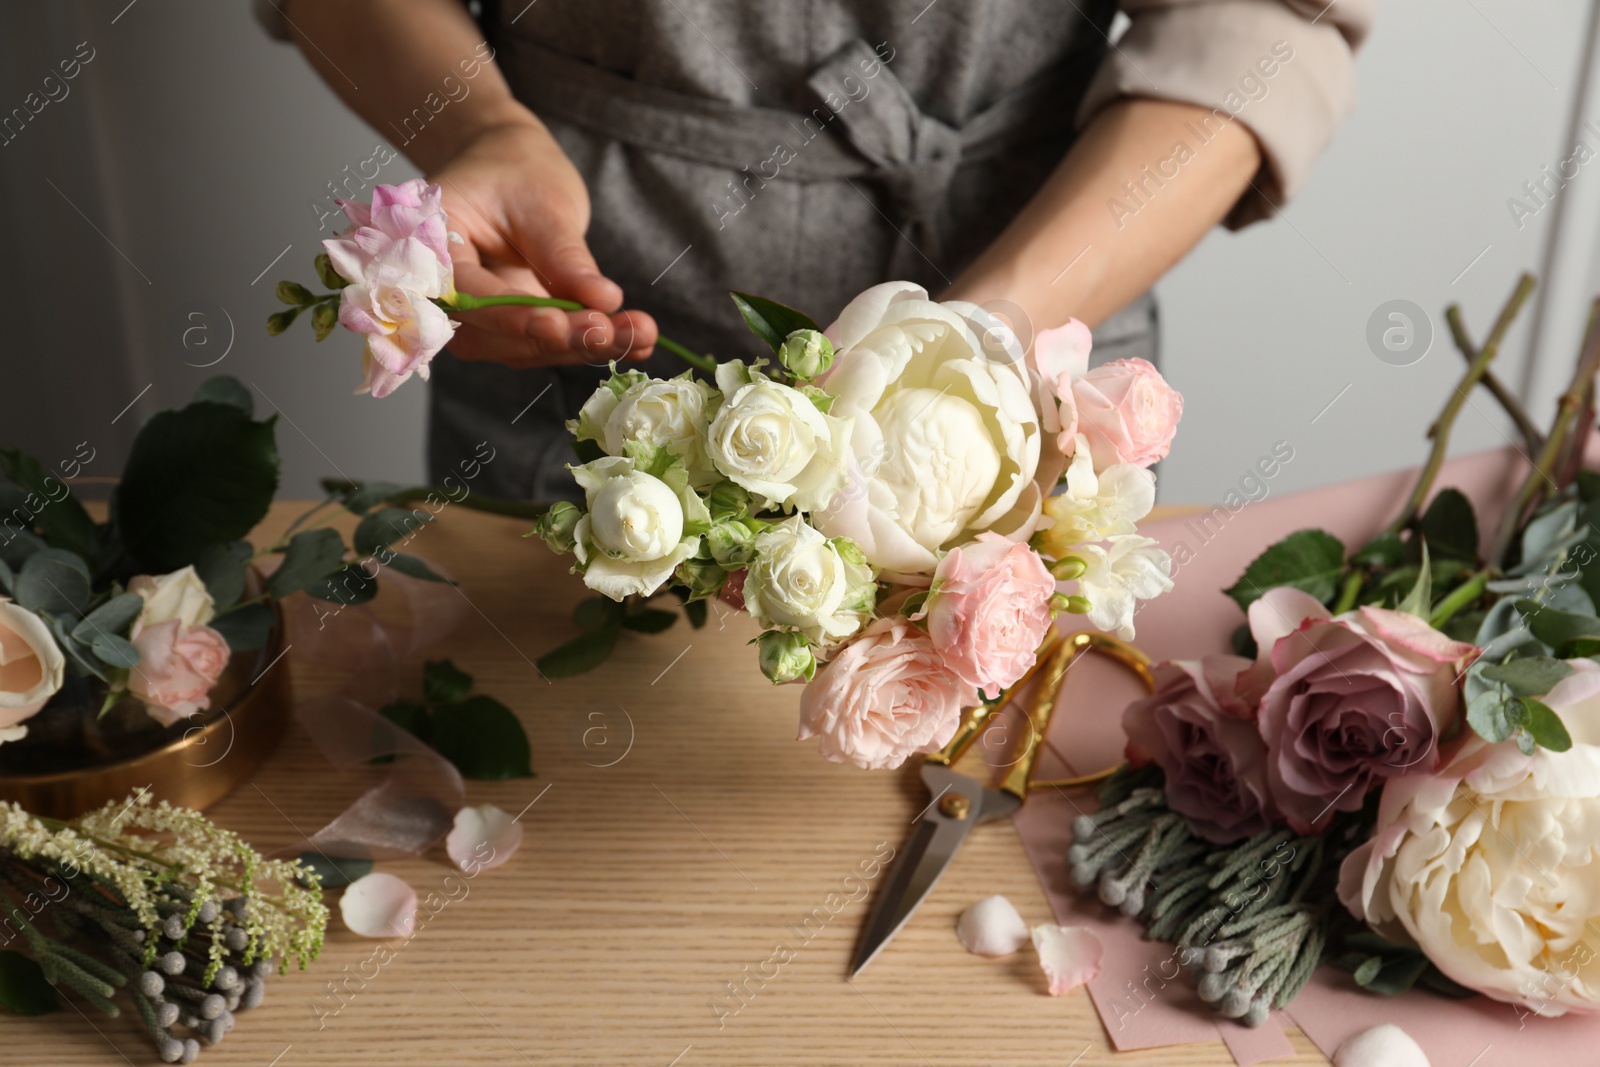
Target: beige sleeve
1285, 68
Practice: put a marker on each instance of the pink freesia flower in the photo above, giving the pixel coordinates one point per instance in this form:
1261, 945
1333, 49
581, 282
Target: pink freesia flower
1127, 411
1354, 700
884, 697
397, 260
989, 610
177, 667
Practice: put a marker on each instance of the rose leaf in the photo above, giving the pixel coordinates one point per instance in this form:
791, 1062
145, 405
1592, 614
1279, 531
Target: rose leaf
770, 320
1450, 527
1308, 560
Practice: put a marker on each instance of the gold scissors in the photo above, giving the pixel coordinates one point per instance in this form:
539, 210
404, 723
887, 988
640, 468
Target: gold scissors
959, 802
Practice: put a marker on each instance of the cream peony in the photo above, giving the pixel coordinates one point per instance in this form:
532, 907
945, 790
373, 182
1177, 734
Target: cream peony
180, 595
948, 442
637, 528
670, 414
31, 668
802, 581
1491, 864
772, 440
1127, 569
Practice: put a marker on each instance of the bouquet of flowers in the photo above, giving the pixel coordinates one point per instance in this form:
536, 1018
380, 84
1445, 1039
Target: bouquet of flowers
878, 497
1410, 729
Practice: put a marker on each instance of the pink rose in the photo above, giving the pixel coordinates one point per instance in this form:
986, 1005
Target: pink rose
177, 667
1128, 412
1203, 736
1060, 354
397, 260
1354, 700
989, 610
885, 696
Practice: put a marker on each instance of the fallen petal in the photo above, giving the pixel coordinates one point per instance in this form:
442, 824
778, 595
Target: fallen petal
1070, 955
483, 837
1382, 1046
379, 905
992, 927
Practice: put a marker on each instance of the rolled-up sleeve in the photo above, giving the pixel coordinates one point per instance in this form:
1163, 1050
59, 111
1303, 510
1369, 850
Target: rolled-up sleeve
1284, 68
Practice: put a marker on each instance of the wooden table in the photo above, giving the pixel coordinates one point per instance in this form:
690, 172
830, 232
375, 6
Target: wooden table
642, 887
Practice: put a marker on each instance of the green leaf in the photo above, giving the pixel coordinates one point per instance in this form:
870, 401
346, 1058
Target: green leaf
1419, 601
1395, 975
85, 661
1243, 642
1525, 742
1487, 715
1368, 970
1570, 634
483, 739
1309, 560
1450, 527
333, 872
312, 555
18, 546
224, 568
386, 526
363, 496
583, 653
1531, 676
246, 628
1386, 550
409, 716
112, 617
650, 620
226, 389
1546, 726
196, 477
444, 683
597, 614
114, 651
23, 987
348, 585
770, 320
695, 612
53, 581
62, 520
1588, 486
413, 567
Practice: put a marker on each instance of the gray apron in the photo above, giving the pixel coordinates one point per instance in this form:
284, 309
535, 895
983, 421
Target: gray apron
803, 151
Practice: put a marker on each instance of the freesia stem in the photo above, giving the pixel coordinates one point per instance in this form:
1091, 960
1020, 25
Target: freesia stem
1465, 594
468, 302
1440, 430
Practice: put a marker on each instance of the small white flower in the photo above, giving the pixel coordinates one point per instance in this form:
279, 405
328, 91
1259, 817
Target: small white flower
1097, 506
992, 927
1070, 955
800, 580
180, 595
379, 905
773, 440
669, 414
482, 838
1129, 568
633, 536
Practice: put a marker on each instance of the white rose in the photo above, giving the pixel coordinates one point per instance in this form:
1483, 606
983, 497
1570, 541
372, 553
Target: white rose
1095, 506
947, 442
1490, 864
801, 580
635, 531
180, 595
773, 441
1127, 569
31, 668
590, 425
667, 414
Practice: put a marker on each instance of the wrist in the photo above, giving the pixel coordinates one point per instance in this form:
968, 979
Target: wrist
443, 141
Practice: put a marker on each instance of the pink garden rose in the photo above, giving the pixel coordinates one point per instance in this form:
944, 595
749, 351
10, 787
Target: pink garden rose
885, 696
1203, 736
177, 667
1127, 411
989, 609
1353, 701
1060, 355
397, 259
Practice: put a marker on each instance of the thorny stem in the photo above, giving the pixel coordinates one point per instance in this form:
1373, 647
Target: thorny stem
1440, 430
1531, 434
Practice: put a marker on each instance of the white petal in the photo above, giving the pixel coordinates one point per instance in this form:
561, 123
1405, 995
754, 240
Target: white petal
1070, 955
992, 927
12, 733
482, 838
1382, 1046
379, 905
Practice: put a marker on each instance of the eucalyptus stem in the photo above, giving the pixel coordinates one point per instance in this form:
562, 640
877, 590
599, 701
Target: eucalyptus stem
1572, 401
468, 302
1531, 434
1439, 432
1463, 595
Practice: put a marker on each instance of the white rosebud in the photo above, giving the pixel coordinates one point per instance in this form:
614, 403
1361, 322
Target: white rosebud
786, 656
558, 524
772, 440
732, 543
800, 580
633, 536
180, 595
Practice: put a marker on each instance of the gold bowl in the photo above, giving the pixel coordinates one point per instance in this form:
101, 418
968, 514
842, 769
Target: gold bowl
79, 760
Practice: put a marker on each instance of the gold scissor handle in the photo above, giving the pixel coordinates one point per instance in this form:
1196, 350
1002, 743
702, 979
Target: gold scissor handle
1020, 779
973, 723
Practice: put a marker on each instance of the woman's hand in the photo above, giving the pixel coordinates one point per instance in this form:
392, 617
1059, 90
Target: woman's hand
522, 209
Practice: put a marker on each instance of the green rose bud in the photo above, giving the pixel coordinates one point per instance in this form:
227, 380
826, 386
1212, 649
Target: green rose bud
786, 656
557, 525
329, 276
702, 577
728, 500
806, 354
732, 543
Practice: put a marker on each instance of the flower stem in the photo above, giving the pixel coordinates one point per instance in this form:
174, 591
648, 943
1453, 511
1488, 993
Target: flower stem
1464, 594
468, 302
1531, 434
1440, 430
1349, 592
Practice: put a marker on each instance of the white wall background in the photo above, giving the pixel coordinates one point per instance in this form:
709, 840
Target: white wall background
190, 147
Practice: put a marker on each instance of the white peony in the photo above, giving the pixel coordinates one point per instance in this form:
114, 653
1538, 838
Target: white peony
670, 414
1096, 506
637, 528
800, 580
947, 442
772, 440
1126, 569
1491, 864
180, 595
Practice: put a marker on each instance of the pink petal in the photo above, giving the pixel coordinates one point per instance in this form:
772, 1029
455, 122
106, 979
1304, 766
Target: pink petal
992, 927
1409, 632
1070, 955
1279, 612
483, 838
379, 905
1063, 350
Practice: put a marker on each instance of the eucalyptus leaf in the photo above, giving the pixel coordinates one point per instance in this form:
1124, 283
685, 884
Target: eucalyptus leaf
114, 651
79, 656
1309, 560
24, 989
1568, 633
112, 617
310, 557
386, 526
414, 567
53, 581
1531, 676
769, 320
483, 739
1545, 726
350, 584
1486, 714
61, 518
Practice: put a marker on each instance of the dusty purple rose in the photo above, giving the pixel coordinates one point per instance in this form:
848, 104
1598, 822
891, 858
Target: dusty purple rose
1354, 700
1203, 736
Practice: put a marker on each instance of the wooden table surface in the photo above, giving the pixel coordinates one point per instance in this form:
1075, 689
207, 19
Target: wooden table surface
643, 886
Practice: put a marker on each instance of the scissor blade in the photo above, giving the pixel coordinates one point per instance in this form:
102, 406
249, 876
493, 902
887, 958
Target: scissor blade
927, 853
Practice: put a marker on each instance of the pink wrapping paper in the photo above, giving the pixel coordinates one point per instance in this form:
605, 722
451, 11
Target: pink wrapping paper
1140, 1002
